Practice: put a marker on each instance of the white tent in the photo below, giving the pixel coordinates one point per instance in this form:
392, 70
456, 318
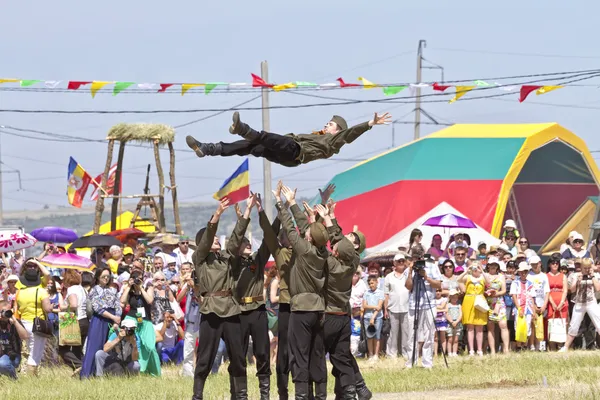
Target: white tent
401, 238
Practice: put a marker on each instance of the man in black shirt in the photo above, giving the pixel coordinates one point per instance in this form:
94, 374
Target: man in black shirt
11, 335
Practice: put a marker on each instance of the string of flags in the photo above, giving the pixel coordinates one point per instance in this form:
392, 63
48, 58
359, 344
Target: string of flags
258, 82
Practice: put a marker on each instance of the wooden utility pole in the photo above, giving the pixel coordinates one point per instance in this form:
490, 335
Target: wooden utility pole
117, 188
266, 125
422, 44
100, 201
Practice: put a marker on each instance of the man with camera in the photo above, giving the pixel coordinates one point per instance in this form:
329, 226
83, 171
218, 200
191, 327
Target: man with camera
11, 335
423, 279
120, 353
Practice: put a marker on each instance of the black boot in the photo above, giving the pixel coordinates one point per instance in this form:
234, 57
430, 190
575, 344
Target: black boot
362, 391
301, 391
264, 386
310, 393
282, 386
203, 149
198, 389
349, 392
240, 385
231, 388
337, 389
242, 129
321, 391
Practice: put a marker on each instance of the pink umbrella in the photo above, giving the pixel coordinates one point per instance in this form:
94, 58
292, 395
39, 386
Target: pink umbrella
68, 261
10, 242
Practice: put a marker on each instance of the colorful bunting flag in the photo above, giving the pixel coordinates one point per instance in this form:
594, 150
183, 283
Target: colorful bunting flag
481, 83
8, 80
344, 84
211, 85
74, 85
164, 87
366, 83
440, 88
391, 90
525, 90
187, 86
546, 89
289, 85
97, 85
461, 91
257, 81
29, 82
146, 85
120, 86
51, 84
301, 83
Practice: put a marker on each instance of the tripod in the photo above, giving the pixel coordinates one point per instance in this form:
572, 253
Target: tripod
418, 289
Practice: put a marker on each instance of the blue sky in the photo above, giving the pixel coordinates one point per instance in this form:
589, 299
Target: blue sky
185, 41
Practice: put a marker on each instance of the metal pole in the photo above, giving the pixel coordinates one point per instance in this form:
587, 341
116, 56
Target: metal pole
422, 44
266, 125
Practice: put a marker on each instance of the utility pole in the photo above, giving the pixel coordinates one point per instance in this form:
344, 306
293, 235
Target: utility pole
422, 44
266, 125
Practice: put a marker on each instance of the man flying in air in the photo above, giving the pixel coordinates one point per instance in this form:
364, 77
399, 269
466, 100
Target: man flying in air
288, 150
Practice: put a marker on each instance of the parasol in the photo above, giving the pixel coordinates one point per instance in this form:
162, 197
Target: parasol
95, 240
450, 221
54, 234
123, 235
68, 261
10, 242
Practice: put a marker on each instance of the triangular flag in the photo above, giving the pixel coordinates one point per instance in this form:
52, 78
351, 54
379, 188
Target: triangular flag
366, 83
419, 85
481, 83
146, 85
344, 84
164, 86
74, 85
30, 82
300, 83
440, 88
211, 85
525, 90
546, 89
391, 90
257, 81
51, 84
328, 85
461, 91
120, 86
187, 86
289, 85
8, 80
97, 85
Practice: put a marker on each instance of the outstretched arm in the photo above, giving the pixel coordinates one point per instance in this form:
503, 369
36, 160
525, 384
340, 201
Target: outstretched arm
351, 134
298, 243
235, 240
335, 231
209, 234
262, 256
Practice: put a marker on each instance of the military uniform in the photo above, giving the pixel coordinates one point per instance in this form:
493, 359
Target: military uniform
288, 150
220, 310
284, 259
249, 277
307, 303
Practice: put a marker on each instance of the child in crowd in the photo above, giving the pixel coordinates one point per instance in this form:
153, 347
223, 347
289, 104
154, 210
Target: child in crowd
373, 317
441, 322
455, 327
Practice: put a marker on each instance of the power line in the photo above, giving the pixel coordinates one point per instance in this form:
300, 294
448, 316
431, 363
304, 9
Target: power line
217, 113
514, 53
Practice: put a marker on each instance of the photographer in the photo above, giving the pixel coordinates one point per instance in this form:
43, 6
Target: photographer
11, 335
584, 286
120, 354
430, 279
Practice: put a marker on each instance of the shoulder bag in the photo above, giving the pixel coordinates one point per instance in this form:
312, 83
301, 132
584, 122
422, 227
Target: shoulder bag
42, 327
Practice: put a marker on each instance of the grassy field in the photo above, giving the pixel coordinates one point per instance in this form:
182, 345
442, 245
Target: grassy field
520, 376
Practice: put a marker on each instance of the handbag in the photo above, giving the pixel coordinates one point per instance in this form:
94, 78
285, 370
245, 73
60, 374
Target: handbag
481, 303
521, 331
42, 327
557, 329
386, 327
362, 344
272, 320
69, 333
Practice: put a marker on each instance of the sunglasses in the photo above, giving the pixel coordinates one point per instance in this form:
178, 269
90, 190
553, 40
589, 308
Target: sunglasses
176, 282
511, 238
461, 254
160, 279
523, 242
448, 266
184, 242
578, 241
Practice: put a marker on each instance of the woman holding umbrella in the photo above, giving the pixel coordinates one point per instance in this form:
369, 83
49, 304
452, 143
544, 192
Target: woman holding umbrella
107, 311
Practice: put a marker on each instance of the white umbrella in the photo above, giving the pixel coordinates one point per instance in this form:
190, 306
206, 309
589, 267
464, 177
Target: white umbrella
16, 241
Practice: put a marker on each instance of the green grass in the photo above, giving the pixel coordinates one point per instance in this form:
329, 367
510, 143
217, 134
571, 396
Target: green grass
569, 373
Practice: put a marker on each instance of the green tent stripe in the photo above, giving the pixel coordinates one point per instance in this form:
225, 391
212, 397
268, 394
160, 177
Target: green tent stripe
432, 159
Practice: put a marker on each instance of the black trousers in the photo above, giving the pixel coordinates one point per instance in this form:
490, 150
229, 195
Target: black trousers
307, 349
73, 355
276, 148
283, 349
212, 329
254, 323
336, 333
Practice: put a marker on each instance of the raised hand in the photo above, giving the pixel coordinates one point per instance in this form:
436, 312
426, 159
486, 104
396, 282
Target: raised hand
331, 207
290, 195
326, 194
238, 210
259, 204
308, 209
277, 190
322, 211
384, 119
223, 205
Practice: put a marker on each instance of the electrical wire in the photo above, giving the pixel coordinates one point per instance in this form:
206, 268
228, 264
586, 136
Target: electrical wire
217, 113
506, 53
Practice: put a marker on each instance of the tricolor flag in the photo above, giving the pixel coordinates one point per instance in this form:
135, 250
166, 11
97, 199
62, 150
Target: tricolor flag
237, 187
110, 184
78, 182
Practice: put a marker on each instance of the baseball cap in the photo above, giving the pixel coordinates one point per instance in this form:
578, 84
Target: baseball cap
510, 224
127, 250
453, 292
129, 323
523, 266
371, 331
399, 256
481, 244
577, 236
535, 260
504, 248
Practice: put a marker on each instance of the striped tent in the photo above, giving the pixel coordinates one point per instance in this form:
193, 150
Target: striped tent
536, 174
